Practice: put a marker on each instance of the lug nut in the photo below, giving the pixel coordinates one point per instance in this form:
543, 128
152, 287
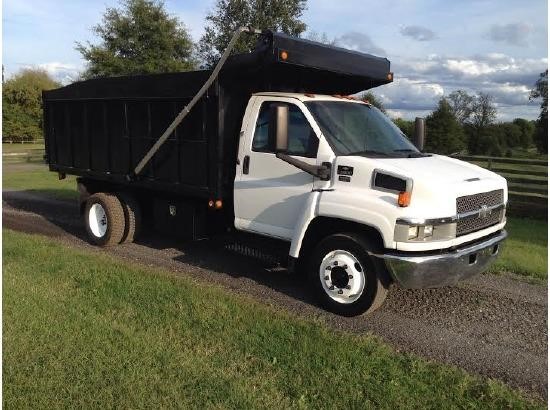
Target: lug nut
350, 276
326, 277
348, 287
329, 268
340, 291
345, 266
335, 263
331, 287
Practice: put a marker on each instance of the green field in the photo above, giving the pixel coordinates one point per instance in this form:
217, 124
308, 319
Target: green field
37, 179
84, 330
21, 147
526, 250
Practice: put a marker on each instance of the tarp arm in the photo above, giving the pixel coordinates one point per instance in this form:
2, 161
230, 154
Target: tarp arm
183, 113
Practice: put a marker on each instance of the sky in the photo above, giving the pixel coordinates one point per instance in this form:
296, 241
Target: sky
435, 46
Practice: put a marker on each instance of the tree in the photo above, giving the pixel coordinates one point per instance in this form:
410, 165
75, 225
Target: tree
484, 111
527, 128
22, 104
483, 115
320, 38
444, 135
406, 126
373, 99
229, 15
140, 37
541, 133
461, 104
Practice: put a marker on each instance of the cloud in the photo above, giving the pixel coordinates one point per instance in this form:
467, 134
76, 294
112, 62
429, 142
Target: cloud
359, 42
420, 83
472, 70
418, 33
407, 94
515, 34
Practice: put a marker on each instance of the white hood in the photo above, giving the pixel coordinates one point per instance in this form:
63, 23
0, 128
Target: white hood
437, 182
437, 168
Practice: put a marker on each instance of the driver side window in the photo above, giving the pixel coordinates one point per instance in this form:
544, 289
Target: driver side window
302, 140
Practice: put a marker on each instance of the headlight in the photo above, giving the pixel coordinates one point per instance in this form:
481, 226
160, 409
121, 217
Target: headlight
413, 232
408, 232
428, 231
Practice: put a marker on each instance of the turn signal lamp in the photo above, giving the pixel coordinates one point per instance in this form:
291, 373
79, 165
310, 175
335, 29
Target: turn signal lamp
284, 55
389, 76
404, 199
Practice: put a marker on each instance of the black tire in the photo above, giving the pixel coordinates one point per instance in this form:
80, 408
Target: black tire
113, 223
375, 277
132, 217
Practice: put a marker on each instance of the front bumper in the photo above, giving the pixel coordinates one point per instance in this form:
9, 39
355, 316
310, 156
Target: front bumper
431, 270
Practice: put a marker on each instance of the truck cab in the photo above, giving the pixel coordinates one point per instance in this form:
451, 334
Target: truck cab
360, 205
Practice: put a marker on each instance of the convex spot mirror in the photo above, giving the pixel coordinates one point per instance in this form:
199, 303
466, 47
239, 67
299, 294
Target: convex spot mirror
278, 126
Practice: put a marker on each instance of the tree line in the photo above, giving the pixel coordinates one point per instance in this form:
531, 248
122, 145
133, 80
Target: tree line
466, 123
141, 37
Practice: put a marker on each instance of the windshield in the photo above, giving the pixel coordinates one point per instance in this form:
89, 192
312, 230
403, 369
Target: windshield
360, 129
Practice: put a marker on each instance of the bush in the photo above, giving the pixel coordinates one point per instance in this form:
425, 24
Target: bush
22, 104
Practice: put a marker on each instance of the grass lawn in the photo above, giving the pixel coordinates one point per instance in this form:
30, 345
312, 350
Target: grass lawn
21, 147
36, 178
82, 330
526, 250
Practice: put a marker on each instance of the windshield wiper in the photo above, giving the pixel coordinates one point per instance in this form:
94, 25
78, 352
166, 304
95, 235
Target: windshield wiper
413, 153
371, 152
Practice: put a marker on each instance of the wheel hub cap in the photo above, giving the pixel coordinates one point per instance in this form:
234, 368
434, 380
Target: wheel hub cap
342, 276
97, 219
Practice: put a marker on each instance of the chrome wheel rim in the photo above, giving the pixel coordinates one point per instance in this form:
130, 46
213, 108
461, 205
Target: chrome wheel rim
342, 276
97, 220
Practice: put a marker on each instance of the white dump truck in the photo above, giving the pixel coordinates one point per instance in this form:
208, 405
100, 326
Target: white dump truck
270, 143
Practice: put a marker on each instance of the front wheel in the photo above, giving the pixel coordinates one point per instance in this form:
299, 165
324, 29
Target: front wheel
344, 278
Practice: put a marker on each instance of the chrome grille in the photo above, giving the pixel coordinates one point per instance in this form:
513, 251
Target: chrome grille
475, 202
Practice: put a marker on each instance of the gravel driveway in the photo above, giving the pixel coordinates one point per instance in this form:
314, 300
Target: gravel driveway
495, 326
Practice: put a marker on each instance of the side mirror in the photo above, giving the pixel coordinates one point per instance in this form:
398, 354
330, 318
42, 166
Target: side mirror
278, 126
419, 133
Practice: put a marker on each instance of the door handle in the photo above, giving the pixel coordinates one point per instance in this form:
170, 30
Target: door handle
246, 164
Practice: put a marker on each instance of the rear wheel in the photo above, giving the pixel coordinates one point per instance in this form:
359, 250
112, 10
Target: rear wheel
104, 219
344, 278
132, 217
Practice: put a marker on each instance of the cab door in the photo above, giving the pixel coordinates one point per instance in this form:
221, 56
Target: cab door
270, 193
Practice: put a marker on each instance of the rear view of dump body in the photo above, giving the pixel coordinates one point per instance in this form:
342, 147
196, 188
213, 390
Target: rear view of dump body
101, 128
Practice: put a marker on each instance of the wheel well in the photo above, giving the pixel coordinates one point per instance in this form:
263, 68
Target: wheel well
321, 227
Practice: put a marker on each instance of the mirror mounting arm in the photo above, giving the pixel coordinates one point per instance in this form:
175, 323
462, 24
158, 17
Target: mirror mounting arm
322, 172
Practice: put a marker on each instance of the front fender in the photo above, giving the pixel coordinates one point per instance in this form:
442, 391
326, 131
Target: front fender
345, 205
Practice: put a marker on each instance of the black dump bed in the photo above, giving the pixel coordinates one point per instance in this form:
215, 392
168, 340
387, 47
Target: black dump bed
102, 128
